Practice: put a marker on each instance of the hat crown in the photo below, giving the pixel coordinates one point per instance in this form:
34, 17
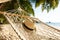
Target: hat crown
29, 24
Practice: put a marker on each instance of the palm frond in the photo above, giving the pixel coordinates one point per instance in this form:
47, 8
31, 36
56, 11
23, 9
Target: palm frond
39, 2
47, 4
25, 5
9, 5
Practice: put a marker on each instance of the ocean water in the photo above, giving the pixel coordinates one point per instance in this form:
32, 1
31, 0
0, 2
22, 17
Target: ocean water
55, 25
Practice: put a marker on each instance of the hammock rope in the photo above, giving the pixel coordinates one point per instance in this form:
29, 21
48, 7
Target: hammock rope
16, 18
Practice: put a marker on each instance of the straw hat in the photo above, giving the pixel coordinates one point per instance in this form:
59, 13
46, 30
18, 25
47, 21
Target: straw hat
2, 1
29, 24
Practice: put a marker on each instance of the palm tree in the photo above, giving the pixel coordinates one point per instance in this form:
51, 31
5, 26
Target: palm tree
25, 5
47, 4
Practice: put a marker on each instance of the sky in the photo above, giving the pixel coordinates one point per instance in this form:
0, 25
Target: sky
51, 16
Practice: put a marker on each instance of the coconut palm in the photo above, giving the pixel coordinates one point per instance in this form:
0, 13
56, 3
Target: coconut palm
47, 4
26, 7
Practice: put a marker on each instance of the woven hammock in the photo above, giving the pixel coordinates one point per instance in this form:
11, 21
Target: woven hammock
38, 29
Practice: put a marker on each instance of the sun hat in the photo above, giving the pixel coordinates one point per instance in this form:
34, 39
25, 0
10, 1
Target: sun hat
29, 24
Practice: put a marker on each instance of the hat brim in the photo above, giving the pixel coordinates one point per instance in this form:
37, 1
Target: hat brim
27, 27
29, 24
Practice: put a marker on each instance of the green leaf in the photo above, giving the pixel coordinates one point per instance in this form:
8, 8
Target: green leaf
39, 2
3, 19
25, 5
47, 4
9, 5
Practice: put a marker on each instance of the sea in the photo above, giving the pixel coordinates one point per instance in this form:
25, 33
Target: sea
55, 25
